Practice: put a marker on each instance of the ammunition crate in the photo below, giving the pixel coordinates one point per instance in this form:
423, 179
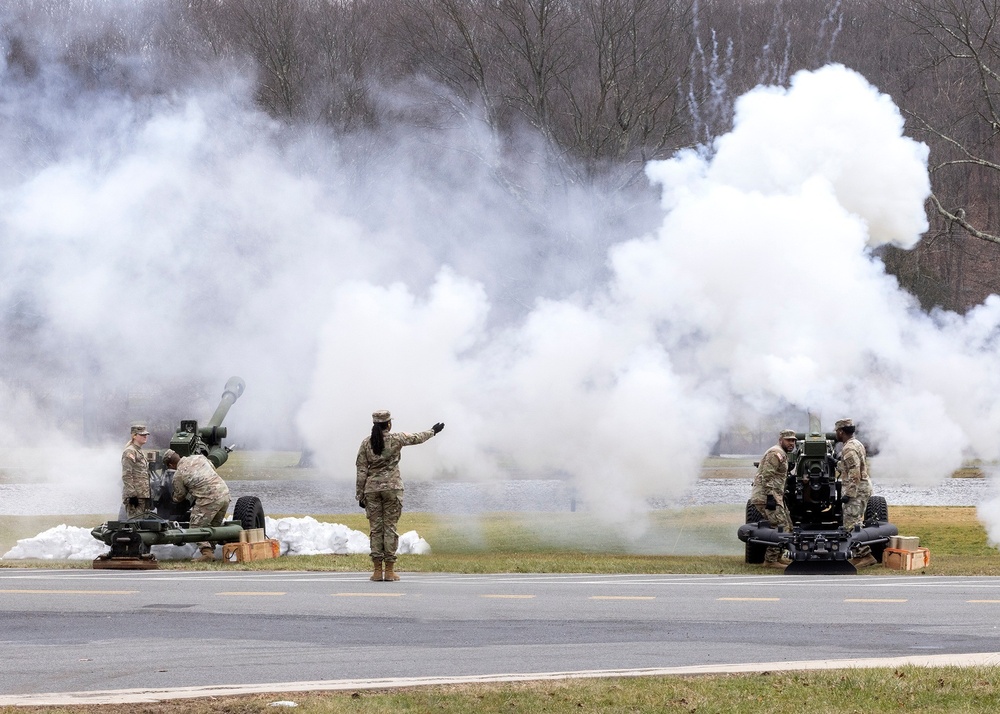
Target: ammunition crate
898, 559
904, 542
242, 552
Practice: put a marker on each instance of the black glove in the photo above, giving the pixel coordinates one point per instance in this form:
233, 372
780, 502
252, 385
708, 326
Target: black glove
771, 504
438, 427
362, 502
133, 500
845, 499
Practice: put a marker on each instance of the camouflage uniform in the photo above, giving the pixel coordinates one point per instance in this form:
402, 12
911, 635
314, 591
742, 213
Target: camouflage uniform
852, 469
135, 481
197, 477
770, 480
380, 485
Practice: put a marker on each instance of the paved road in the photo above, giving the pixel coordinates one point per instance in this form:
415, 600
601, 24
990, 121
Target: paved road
73, 630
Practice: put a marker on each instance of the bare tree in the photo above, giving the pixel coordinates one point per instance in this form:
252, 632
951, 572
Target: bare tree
962, 41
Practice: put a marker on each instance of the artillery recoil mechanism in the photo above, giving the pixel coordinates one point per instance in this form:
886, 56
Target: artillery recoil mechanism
818, 543
131, 541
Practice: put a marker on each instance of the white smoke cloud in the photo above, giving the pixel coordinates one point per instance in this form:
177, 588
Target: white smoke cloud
758, 288
154, 244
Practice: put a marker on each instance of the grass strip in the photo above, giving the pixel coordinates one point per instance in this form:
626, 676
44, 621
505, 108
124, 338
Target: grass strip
929, 690
695, 540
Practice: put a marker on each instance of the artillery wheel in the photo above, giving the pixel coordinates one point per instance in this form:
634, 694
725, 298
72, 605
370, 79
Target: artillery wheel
249, 512
754, 553
876, 511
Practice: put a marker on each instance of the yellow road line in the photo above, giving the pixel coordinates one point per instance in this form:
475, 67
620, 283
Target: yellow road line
622, 597
236, 592
70, 592
368, 595
510, 597
872, 599
749, 599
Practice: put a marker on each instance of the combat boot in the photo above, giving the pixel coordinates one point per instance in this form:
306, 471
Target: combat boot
775, 564
390, 576
864, 562
376, 570
207, 553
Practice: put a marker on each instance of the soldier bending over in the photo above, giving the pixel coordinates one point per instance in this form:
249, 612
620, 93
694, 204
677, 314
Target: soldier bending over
196, 476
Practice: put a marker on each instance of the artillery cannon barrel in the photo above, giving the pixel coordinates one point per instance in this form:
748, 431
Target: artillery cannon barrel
233, 389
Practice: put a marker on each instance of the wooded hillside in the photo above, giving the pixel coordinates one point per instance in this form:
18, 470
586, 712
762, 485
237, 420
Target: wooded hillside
601, 86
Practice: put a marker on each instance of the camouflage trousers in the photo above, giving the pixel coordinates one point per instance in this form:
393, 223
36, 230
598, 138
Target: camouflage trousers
383, 509
854, 513
145, 506
776, 517
208, 513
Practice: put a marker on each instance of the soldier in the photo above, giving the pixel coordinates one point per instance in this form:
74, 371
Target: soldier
852, 470
135, 475
379, 488
768, 493
196, 476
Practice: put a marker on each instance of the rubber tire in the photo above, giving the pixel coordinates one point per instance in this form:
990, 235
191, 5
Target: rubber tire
249, 512
754, 553
877, 511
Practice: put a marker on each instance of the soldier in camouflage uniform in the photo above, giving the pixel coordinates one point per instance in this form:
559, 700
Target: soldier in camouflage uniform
768, 493
136, 495
852, 470
197, 478
379, 488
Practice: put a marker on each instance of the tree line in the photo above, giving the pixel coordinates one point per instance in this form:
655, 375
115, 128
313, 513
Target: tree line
603, 85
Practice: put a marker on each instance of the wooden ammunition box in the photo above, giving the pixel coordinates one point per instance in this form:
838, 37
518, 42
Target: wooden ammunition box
904, 542
898, 559
242, 552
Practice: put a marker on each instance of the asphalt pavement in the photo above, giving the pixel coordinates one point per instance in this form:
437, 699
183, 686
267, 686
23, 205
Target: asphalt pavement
169, 631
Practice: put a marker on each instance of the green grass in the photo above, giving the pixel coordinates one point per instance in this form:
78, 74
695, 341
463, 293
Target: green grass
694, 540
929, 690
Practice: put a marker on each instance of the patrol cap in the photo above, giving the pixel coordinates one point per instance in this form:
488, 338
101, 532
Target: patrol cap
170, 455
381, 416
140, 429
841, 423
787, 434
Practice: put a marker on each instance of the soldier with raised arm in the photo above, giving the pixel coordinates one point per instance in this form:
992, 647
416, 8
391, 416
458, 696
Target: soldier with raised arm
768, 493
379, 488
852, 470
136, 495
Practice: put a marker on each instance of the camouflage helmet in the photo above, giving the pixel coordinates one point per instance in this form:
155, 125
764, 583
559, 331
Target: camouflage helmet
381, 416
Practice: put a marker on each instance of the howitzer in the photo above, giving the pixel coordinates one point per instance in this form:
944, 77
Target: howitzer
131, 540
818, 543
